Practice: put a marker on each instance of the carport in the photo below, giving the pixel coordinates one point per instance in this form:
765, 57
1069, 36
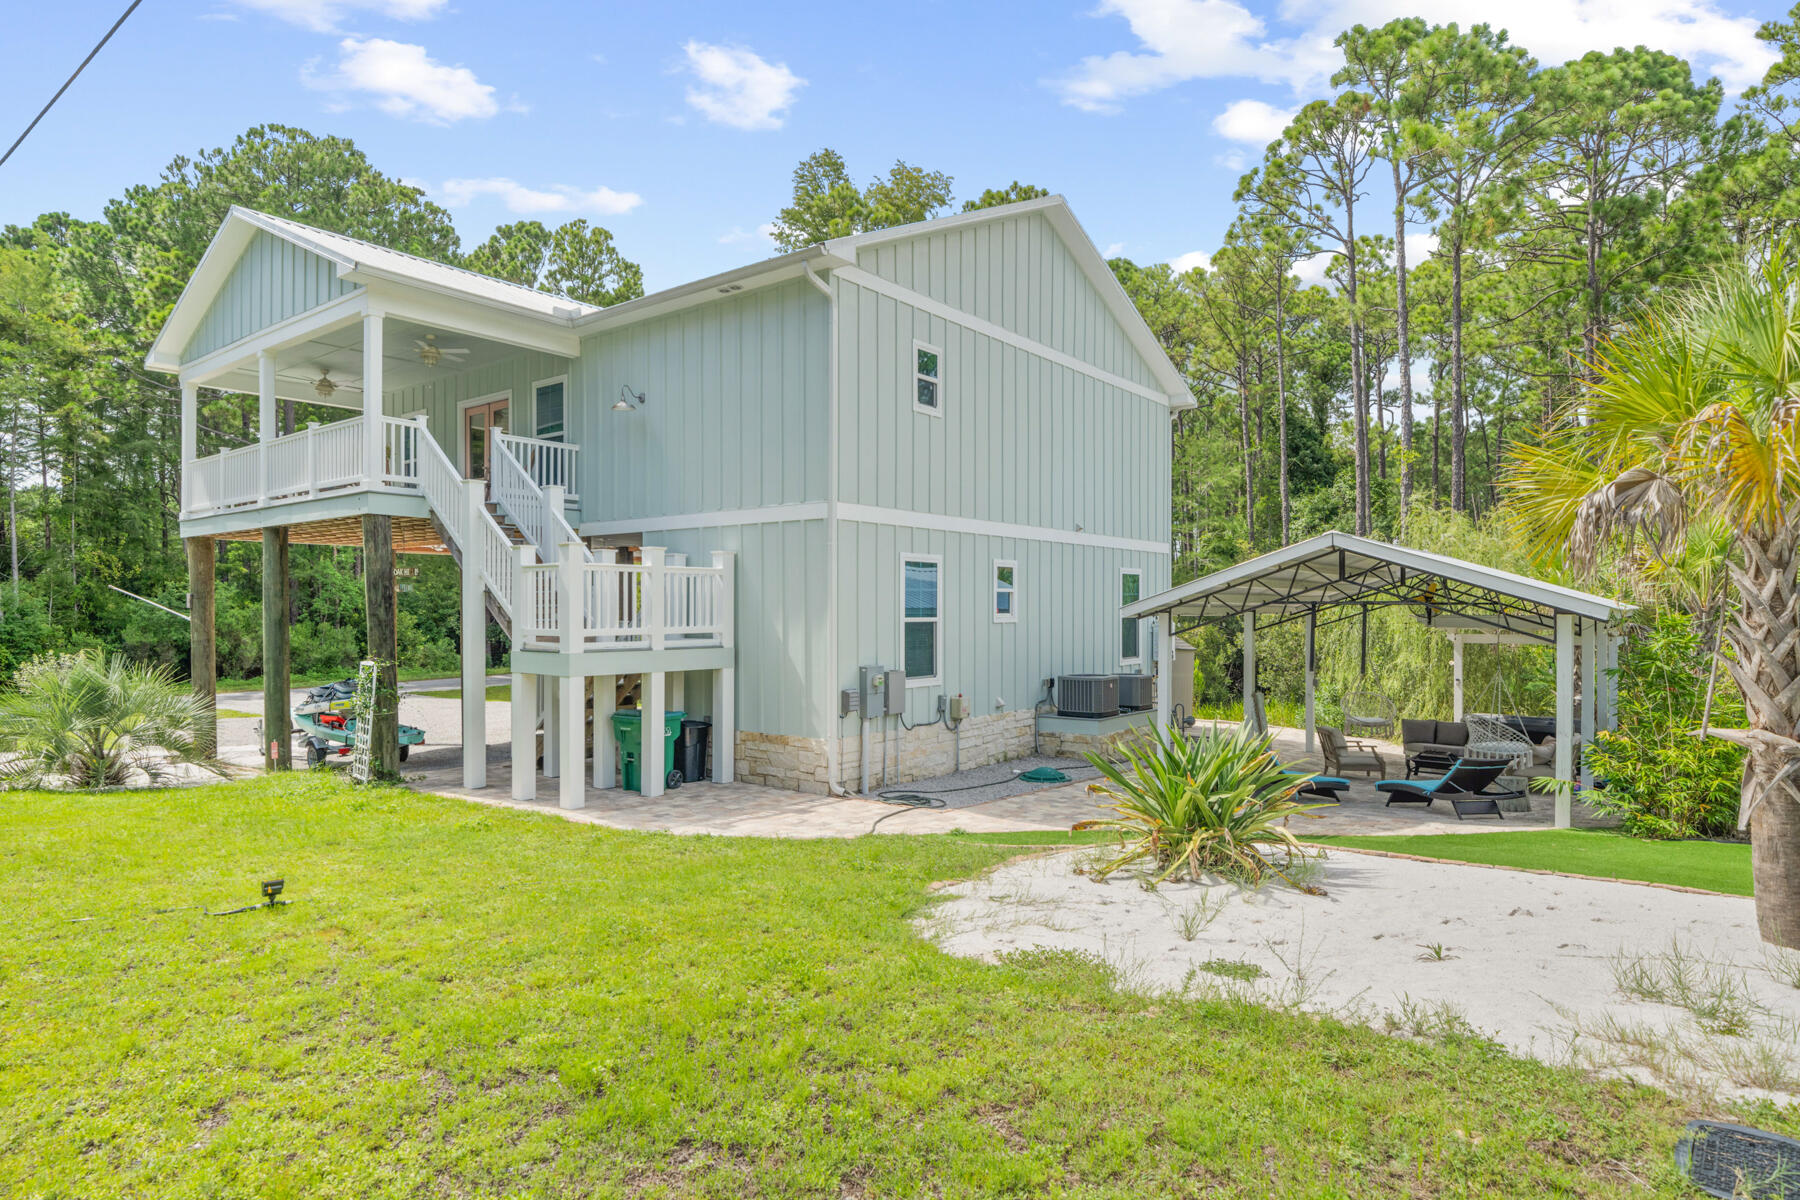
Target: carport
1338, 577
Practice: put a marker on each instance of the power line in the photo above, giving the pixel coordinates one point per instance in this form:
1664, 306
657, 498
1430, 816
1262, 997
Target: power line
65, 87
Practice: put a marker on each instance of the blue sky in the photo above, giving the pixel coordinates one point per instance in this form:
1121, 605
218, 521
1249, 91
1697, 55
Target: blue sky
677, 126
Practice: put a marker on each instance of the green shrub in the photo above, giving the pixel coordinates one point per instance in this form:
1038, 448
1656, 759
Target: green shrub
94, 719
1660, 780
1200, 804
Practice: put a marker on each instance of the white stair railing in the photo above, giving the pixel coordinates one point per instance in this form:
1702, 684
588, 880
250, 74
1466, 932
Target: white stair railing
527, 505
442, 486
549, 464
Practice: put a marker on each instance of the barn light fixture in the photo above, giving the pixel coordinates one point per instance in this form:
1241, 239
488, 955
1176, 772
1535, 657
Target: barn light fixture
628, 401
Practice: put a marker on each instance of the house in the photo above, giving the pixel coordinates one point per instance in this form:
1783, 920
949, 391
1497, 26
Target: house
941, 449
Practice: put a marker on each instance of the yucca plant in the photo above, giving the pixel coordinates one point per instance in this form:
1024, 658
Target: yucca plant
1193, 805
1692, 418
92, 720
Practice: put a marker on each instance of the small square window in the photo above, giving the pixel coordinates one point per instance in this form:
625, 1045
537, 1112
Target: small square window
927, 382
1006, 590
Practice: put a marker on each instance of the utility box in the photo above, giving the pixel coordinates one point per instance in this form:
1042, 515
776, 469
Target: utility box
894, 692
872, 686
959, 708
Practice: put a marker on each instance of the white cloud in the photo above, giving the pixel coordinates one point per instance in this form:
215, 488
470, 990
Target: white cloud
1181, 264
525, 201
1419, 247
1181, 40
1311, 271
322, 16
737, 235
405, 82
737, 87
1252, 122
1113, 250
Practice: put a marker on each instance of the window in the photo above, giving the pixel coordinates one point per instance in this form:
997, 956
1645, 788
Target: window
1130, 584
1006, 590
549, 408
921, 620
926, 380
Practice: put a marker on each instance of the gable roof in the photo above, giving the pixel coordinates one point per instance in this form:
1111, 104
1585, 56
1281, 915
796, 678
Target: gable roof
360, 262
1340, 569
356, 261
1087, 256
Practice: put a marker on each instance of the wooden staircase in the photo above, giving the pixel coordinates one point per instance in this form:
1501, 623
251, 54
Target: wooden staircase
512, 535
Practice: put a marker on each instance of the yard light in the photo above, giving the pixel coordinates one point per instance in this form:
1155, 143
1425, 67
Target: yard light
271, 888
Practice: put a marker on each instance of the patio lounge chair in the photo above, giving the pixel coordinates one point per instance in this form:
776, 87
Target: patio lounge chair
1344, 754
1463, 785
1322, 787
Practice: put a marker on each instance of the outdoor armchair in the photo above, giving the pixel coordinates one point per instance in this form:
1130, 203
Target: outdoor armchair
1344, 754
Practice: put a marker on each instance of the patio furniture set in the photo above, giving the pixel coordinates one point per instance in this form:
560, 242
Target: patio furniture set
1464, 773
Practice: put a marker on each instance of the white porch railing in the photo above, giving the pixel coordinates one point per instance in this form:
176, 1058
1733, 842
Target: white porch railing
313, 461
638, 606
537, 511
549, 464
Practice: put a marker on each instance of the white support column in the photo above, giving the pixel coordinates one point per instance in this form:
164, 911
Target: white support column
1456, 677
725, 561
724, 730
374, 435
267, 417
606, 749
190, 434
474, 647
1310, 669
1590, 687
1249, 662
551, 700
524, 736
655, 599
677, 698
651, 767
1165, 669
1607, 715
572, 740
1565, 713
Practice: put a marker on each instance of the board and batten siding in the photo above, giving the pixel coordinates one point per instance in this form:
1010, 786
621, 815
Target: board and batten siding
733, 415
1067, 602
272, 281
1017, 273
1019, 438
441, 398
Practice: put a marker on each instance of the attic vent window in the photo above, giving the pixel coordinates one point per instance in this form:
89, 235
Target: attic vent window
926, 363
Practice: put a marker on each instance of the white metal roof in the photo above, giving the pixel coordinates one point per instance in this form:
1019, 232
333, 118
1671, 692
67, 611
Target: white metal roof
1339, 569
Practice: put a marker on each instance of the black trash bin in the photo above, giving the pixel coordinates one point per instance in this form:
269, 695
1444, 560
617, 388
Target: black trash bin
690, 749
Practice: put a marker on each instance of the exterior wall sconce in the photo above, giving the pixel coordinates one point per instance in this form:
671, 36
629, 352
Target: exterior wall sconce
625, 402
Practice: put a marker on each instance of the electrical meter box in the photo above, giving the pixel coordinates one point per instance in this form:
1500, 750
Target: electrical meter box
895, 692
959, 708
872, 684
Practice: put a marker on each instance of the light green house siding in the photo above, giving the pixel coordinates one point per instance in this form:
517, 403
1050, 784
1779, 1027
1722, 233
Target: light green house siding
272, 281
734, 409
1016, 273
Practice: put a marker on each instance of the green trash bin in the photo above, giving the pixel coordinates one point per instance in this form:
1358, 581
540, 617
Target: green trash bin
628, 728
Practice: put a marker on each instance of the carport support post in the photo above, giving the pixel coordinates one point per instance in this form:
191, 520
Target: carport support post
524, 736
378, 603
1456, 677
1165, 669
277, 749
1249, 665
203, 663
1565, 714
474, 642
1310, 669
1590, 686
571, 710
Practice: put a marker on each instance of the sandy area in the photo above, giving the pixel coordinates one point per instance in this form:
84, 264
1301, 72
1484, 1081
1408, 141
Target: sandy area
1545, 966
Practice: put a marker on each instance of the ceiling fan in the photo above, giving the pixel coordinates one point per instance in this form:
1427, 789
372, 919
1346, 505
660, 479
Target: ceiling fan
325, 386
430, 353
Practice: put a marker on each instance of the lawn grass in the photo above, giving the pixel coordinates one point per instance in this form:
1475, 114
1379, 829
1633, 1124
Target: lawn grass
465, 1000
498, 691
1714, 866
254, 683
229, 714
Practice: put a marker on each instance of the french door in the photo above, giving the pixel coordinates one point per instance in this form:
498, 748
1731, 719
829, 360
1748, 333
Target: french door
480, 423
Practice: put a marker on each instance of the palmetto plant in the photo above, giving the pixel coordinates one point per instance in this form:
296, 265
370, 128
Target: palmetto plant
1694, 416
94, 720
1213, 803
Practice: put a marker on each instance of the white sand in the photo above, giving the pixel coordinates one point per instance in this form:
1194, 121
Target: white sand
1529, 960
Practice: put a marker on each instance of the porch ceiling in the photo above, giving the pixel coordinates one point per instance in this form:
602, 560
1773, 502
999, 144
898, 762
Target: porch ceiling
339, 351
412, 535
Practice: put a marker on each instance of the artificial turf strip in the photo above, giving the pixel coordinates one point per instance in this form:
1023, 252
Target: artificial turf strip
464, 1000
1711, 866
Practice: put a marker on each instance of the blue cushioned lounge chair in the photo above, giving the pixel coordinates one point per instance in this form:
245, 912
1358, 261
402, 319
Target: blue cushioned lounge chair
1463, 785
1323, 787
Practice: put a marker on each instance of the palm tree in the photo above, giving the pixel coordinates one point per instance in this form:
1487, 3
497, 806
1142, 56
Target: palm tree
1694, 414
95, 720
